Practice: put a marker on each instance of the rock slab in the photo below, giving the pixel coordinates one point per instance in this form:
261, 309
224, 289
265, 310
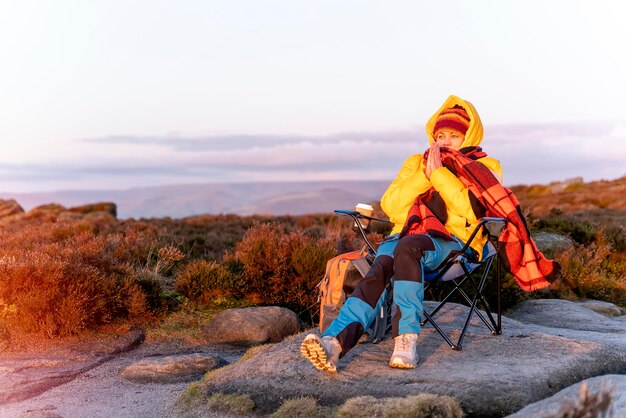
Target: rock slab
251, 326
172, 369
24, 377
603, 308
551, 242
557, 313
492, 376
549, 407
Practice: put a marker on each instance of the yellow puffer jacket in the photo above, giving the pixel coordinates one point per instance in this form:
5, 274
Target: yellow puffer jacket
411, 182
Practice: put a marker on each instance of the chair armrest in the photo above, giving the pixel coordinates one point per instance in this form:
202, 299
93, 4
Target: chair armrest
356, 216
494, 226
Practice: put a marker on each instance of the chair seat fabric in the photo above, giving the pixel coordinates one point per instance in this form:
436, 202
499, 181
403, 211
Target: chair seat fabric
456, 270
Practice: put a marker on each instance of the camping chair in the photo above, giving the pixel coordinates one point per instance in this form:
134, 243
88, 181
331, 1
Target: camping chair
458, 268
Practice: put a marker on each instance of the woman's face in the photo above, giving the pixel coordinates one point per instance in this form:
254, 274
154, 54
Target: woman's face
450, 139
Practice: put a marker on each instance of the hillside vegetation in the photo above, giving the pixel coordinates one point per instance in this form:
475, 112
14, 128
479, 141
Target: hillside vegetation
66, 272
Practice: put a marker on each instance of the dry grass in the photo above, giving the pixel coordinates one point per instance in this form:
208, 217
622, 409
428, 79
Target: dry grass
193, 394
422, 405
233, 403
254, 351
184, 325
587, 405
303, 407
195, 400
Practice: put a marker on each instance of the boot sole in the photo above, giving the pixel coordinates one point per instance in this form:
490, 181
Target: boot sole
312, 350
400, 365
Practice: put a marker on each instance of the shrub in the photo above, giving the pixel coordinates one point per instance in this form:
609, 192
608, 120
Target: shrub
593, 272
60, 281
581, 232
282, 267
198, 278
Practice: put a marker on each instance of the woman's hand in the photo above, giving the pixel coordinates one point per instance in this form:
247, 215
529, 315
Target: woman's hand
434, 159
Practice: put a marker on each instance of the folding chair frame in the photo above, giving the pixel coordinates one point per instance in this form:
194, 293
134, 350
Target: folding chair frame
493, 227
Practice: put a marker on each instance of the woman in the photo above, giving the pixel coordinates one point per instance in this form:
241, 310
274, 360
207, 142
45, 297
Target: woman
413, 245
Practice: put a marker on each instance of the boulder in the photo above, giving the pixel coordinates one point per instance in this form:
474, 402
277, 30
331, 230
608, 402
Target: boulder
9, 207
91, 217
551, 407
47, 208
492, 376
99, 217
172, 369
44, 213
69, 216
561, 186
557, 313
603, 308
251, 326
108, 207
550, 242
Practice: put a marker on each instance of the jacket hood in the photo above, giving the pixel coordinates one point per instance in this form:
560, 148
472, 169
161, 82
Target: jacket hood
474, 134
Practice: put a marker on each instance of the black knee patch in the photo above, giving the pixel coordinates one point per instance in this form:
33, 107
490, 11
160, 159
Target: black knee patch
411, 243
407, 256
349, 337
375, 281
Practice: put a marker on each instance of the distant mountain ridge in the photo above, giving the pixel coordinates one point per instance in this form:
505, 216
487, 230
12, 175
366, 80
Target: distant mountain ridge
298, 198
177, 201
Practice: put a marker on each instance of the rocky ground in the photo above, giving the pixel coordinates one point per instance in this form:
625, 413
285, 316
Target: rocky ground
530, 370
107, 386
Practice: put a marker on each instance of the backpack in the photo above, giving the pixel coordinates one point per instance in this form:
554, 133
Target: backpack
343, 274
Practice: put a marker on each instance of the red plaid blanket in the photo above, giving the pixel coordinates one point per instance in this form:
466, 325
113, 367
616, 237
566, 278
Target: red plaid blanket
516, 249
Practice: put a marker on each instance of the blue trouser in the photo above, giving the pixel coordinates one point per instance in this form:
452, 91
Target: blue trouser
406, 260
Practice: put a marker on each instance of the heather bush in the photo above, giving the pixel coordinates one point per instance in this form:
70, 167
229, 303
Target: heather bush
59, 280
201, 280
592, 271
63, 278
282, 267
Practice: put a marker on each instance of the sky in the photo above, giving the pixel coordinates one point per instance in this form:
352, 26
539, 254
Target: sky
118, 94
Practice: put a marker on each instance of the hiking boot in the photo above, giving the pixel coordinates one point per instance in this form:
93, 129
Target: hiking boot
404, 354
323, 352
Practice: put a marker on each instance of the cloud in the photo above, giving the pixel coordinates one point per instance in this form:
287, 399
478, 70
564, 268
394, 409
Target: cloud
224, 142
531, 153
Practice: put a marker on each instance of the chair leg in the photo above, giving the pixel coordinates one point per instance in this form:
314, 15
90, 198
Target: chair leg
479, 294
441, 332
467, 321
499, 293
494, 326
444, 300
482, 318
457, 287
